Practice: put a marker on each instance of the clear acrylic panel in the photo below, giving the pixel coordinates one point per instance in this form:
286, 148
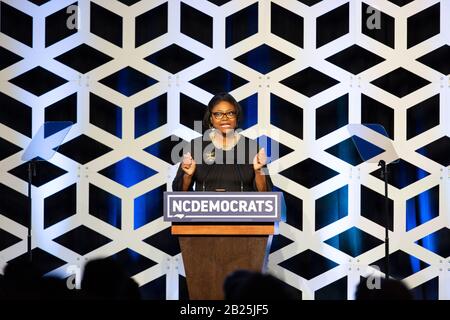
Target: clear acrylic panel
372, 142
47, 140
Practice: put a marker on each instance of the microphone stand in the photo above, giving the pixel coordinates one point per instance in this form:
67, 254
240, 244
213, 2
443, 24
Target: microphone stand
384, 176
240, 177
206, 176
31, 174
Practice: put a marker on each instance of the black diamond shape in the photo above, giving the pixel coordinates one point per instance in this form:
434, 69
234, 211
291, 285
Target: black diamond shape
38, 81
286, 116
155, 289
63, 110
241, 25
336, 290
264, 59
422, 208
308, 264
7, 239
366, 149
132, 262
384, 32
151, 24
423, 25
83, 149
401, 3
437, 151
45, 172
309, 173
150, 115
331, 116
45, 261
190, 111
355, 59
39, 2
8, 58
218, 80
309, 82
7, 149
310, 2
332, 25
400, 82
196, 24
16, 24
437, 60
135, 81
286, 24
373, 207
105, 206
129, 2
219, 2
422, 117
182, 288
331, 207
249, 108
354, 242
60, 205
402, 174
56, 25
105, 115
346, 150
127, 172
148, 207
294, 209
14, 205
163, 149
428, 290
106, 24
273, 148
437, 242
15, 114
173, 58
373, 111
401, 265
279, 242
83, 58
82, 240
165, 242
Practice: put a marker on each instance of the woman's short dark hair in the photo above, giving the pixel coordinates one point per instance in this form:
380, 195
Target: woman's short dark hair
223, 96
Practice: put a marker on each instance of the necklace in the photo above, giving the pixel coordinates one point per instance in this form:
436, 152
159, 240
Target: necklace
220, 145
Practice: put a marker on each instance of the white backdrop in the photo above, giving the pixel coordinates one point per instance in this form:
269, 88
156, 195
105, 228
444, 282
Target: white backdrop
262, 84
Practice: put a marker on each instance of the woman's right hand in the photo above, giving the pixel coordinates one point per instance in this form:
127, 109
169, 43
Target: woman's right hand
188, 164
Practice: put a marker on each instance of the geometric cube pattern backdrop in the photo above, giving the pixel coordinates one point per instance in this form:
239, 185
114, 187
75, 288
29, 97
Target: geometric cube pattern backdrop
134, 75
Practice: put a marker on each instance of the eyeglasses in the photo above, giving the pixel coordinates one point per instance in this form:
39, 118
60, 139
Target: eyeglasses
219, 115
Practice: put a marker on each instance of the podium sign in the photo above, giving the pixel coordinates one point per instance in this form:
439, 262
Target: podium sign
220, 232
222, 206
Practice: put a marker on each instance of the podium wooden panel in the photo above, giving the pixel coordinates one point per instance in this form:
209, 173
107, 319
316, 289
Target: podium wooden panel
211, 252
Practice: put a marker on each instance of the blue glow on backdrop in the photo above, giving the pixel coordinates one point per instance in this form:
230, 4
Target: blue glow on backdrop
127, 172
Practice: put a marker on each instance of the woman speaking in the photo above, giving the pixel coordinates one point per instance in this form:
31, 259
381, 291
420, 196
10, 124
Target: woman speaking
222, 159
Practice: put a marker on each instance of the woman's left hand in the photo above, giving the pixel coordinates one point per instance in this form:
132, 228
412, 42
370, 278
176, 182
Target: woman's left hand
259, 160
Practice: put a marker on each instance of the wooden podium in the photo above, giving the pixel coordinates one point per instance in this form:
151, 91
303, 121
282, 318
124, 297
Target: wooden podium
211, 252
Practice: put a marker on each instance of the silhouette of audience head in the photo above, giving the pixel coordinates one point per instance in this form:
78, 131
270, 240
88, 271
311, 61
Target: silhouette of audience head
389, 289
105, 279
20, 280
24, 280
250, 285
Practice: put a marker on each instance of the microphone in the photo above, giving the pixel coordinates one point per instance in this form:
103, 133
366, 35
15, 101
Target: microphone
211, 158
240, 176
206, 176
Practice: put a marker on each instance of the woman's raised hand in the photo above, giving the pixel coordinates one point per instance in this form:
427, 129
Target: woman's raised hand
188, 164
259, 160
